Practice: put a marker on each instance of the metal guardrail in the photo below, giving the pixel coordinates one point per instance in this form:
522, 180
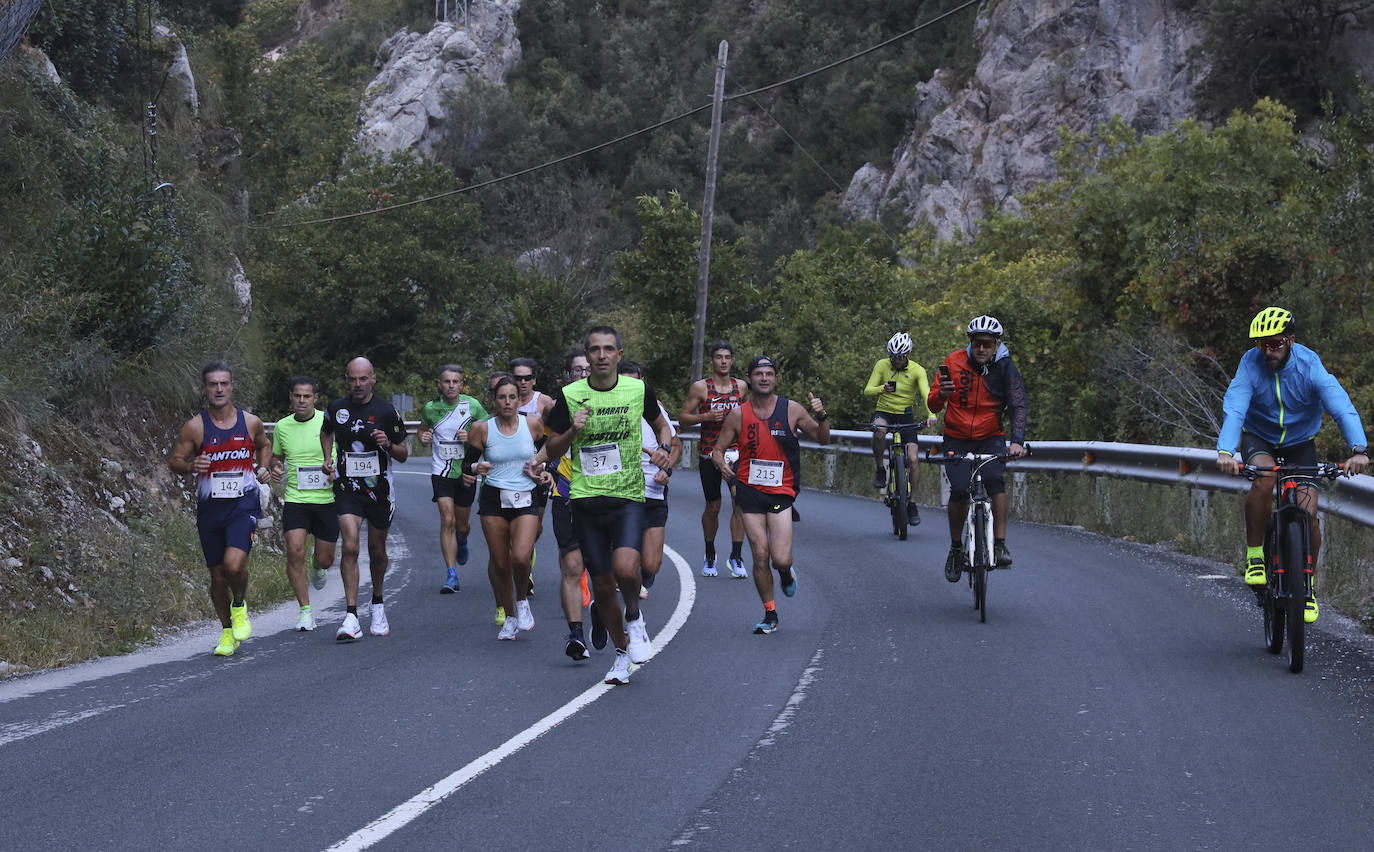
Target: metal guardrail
1192, 467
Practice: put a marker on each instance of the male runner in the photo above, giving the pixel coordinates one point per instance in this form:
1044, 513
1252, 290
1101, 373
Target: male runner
525, 371
444, 425
368, 434
219, 446
309, 503
708, 401
655, 490
768, 476
574, 594
597, 418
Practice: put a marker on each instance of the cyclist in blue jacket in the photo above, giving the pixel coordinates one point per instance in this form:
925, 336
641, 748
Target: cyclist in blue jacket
1274, 407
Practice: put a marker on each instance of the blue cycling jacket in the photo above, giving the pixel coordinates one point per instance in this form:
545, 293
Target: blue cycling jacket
1284, 406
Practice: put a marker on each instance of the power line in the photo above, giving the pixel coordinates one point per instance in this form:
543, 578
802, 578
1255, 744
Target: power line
664, 123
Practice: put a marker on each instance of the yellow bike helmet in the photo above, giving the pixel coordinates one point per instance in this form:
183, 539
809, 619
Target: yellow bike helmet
1269, 322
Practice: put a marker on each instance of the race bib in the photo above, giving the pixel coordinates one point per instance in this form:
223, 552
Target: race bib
311, 478
226, 485
448, 450
600, 460
763, 472
516, 499
362, 464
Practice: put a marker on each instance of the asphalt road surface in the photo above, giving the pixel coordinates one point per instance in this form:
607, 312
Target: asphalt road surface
1119, 697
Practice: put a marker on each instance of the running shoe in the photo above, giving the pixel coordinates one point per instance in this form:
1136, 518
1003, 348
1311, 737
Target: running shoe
524, 619
238, 618
913, 515
586, 591
576, 648
599, 635
500, 616
1254, 571
954, 563
769, 623
451, 584
1000, 555
227, 643
508, 630
620, 669
318, 575
880, 479
789, 582
737, 568
1311, 611
638, 647
462, 550
306, 620
379, 627
708, 568
349, 630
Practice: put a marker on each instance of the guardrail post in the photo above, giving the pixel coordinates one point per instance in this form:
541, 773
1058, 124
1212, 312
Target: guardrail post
1018, 493
1200, 500
688, 452
830, 458
1102, 497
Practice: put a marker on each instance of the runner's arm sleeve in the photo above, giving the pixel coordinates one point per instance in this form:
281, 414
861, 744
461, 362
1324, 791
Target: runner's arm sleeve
876, 380
651, 406
1017, 402
471, 456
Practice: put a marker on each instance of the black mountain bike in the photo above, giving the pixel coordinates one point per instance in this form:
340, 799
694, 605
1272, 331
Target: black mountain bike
898, 494
1288, 557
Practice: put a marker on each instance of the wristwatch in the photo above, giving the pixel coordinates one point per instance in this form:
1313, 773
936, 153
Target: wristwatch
1359, 451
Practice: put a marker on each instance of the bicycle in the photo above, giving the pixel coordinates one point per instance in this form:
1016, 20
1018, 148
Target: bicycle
1288, 557
898, 494
977, 536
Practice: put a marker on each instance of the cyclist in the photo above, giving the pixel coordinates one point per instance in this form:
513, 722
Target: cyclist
977, 386
1273, 407
901, 387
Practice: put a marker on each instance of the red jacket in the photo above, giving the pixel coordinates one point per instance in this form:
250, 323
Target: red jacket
980, 396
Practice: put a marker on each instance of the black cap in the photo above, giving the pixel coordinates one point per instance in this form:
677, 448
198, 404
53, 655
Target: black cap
761, 361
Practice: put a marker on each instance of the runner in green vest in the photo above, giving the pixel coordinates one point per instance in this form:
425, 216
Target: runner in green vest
444, 427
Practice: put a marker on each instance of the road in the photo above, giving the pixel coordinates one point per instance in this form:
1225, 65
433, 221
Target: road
1118, 697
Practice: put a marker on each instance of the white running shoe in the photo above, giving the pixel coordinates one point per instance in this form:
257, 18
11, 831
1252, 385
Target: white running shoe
379, 627
508, 629
620, 669
350, 629
524, 619
306, 620
639, 648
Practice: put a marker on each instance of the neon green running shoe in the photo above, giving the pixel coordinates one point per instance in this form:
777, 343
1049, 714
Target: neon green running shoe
1311, 611
500, 616
1254, 571
227, 643
238, 617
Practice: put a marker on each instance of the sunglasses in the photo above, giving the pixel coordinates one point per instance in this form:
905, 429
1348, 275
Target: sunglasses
1272, 344
528, 378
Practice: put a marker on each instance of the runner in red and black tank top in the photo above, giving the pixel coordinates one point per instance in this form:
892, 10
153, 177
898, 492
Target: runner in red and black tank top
716, 401
768, 440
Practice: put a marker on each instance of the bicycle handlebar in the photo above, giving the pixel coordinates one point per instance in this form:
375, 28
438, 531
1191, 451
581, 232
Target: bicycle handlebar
1322, 470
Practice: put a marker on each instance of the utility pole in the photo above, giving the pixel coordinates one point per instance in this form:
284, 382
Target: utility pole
708, 210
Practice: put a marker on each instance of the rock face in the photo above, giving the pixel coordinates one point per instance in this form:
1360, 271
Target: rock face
180, 69
1045, 64
405, 107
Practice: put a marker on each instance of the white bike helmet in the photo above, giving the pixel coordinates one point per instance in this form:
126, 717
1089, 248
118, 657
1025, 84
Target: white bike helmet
899, 344
985, 325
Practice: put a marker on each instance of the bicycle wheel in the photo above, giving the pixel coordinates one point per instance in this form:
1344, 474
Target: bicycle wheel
981, 561
1295, 582
1275, 616
899, 491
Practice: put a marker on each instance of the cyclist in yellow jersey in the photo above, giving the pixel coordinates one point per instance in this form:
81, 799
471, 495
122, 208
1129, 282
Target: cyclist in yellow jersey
901, 387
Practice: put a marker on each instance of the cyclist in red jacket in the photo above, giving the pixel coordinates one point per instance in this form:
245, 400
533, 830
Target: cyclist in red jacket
977, 386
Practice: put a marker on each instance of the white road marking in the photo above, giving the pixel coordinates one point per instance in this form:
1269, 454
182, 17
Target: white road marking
410, 810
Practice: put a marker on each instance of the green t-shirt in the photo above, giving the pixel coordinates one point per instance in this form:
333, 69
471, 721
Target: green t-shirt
299, 442
610, 440
446, 419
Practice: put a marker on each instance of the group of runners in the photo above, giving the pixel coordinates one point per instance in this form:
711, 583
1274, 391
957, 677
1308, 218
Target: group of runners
602, 449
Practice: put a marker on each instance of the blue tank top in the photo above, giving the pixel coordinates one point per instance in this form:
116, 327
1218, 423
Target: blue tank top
508, 454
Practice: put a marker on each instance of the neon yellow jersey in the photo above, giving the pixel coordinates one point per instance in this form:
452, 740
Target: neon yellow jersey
298, 441
912, 388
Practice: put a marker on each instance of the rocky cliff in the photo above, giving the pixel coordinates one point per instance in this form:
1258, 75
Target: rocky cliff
405, 106
1044, 64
